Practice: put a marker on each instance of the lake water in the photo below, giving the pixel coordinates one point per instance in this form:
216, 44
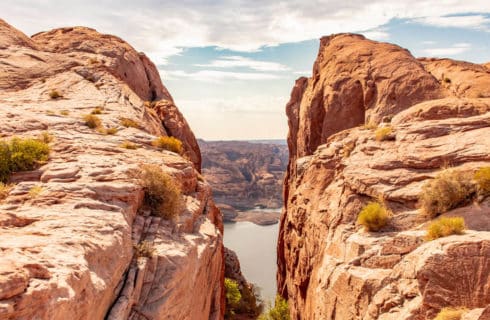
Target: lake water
255, 247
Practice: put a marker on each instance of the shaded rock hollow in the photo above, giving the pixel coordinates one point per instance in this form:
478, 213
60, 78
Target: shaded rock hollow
67, 252
439, 114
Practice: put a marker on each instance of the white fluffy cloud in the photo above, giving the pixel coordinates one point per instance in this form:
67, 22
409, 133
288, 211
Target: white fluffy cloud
238, 61
162, 28
455, 49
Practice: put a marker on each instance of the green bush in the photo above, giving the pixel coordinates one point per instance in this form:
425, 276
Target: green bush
446, 191
444, 227
373, 216
482, 179
233, 297
280, 311
162, 193
451, 314
21, 155
168, 143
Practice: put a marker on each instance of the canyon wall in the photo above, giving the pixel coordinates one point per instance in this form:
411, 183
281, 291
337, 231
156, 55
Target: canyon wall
438, 115
69, 228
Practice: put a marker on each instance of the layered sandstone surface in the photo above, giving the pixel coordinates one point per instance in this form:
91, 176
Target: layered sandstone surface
439, 114
66, 250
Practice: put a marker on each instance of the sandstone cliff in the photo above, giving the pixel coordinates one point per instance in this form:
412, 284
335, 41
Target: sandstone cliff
244, 174
66, 250
438, 111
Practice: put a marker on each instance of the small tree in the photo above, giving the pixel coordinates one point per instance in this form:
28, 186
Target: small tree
233, 297
280, 311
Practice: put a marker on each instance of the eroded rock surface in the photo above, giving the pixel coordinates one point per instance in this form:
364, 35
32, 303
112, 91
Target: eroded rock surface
329, 267
66, 251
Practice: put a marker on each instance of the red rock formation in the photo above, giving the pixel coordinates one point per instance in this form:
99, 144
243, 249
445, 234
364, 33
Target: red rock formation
67, 253
328, 267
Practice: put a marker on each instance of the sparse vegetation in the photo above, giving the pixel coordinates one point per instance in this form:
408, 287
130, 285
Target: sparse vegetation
35, 191
233, 297
54, 94
482, 179
168, 143
93, 60
50, 113
129, 123
144, 249
446, 191
46, 137
129, 145
162, 193
92, 121
446, 80
451, 314
373, 216
150, 104
250, 303
26, 154
109, 131
96, 110
383, 133
280, 311
4, 190
370, 125
445, 226
64, 112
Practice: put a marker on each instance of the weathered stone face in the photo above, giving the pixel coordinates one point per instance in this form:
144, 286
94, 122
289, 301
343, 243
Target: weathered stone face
67, 252
329, 268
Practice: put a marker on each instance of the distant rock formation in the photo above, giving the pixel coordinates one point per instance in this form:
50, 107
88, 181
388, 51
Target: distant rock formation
67, 251
438, 114
245, 175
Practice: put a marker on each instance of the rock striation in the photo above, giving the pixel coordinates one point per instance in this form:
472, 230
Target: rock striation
438, 112
67, 250
245, 174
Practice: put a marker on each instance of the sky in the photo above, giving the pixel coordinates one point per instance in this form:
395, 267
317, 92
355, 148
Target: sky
230, 65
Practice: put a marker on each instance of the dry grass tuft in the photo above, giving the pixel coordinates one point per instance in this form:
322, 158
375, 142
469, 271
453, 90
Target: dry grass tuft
4, 190
129, 123
54, 94
35, 191
451, 314
144, 249
162, 193
384, 133
129, 145
444, 227
373, 216
446, 191
97, 110
482, 179
168, 143
92, 121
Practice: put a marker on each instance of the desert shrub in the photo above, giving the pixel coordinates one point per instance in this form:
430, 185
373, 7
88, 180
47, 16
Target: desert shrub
446, 80
20, 155
250, 303
383, 133
280, 311
64, 112
4, 190
92, 121
54, 94
444, 227
96, 110
109, 131
373, 216
26, 154
129, 123
482, 179
50, 113
162, 193
35, 191
451, 314
168, 143
144, 249
128, 145
370, 125
233, 297
446, 191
